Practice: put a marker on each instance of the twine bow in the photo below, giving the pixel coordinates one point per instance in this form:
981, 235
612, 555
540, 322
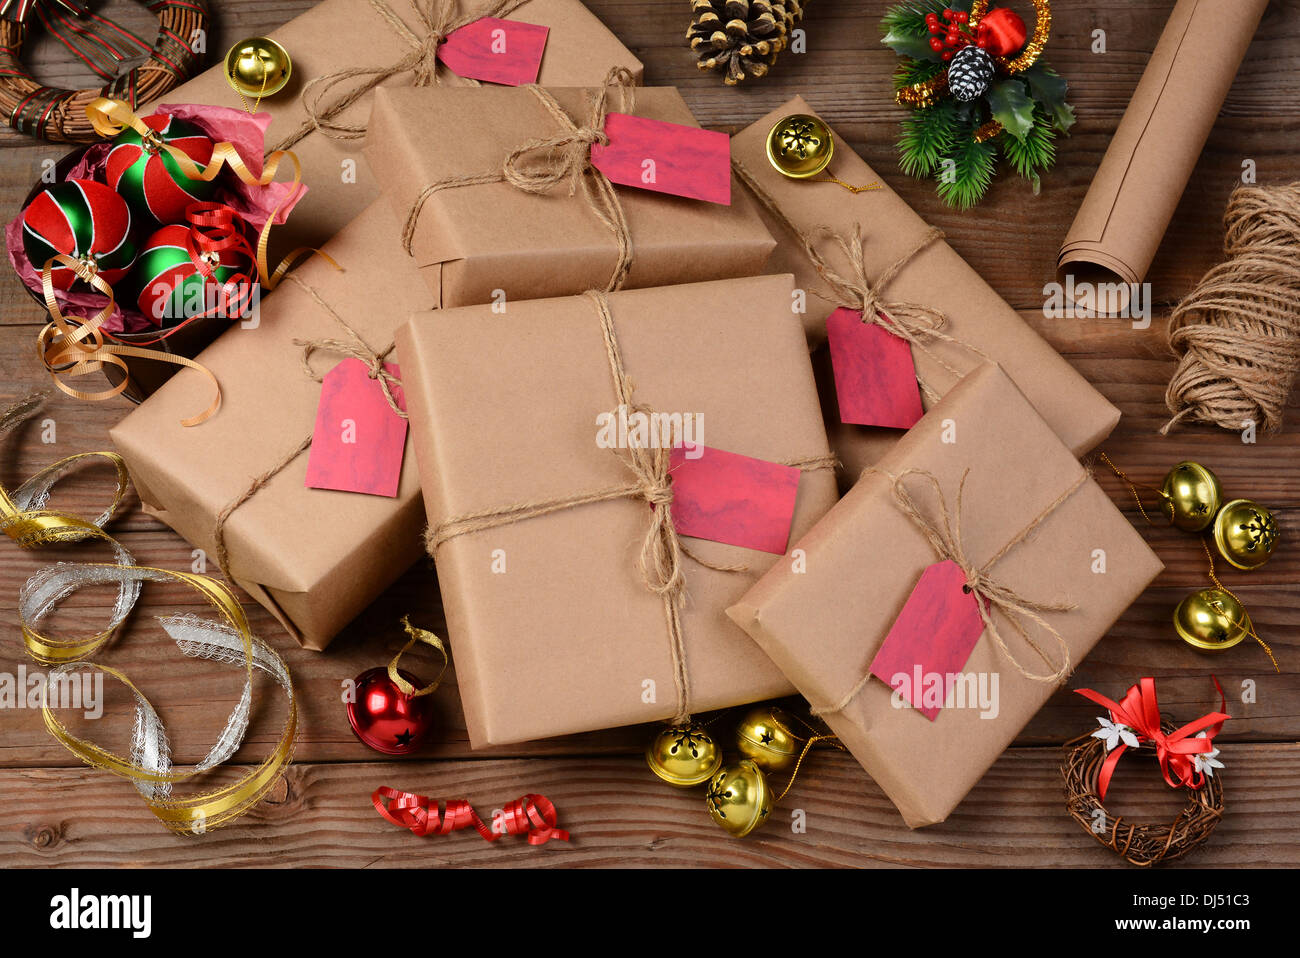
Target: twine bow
944, 535
660, 560
539, 165
1175, 750
437, 19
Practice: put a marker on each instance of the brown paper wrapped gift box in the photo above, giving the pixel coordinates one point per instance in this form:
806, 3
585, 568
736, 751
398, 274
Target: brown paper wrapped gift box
865, 556
315, 558
553, 627
936, 276
338, 35
471, 240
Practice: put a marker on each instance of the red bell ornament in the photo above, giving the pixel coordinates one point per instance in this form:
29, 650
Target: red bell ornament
389, 711
1003, 30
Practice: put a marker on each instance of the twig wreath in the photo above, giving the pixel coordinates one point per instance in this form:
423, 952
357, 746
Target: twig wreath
49, 113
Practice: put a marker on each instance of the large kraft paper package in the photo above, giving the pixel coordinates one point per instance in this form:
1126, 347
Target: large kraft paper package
551, 622
470, 241
315, 558
1119, 226
975, 315
338, 35
824, 627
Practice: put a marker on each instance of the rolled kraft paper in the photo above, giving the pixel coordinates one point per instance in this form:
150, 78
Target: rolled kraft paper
1118, 228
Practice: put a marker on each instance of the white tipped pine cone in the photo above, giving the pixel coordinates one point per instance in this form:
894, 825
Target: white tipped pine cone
970, 73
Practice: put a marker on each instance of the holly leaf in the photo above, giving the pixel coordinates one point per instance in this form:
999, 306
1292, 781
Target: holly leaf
909, 45
1012, 107
1049, 88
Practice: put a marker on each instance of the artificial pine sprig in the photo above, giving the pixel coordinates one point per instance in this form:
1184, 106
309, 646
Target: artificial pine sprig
950, 141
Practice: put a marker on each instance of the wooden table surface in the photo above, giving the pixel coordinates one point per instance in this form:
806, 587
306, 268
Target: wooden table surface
58, 812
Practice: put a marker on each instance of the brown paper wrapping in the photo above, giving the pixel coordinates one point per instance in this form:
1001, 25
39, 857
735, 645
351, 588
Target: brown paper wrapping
567, 636
315, 558
823, 628
473, 240
336, 35
976, 314
1115, 234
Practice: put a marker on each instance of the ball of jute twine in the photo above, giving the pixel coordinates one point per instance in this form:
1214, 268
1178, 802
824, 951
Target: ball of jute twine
1237, 335
1139, 843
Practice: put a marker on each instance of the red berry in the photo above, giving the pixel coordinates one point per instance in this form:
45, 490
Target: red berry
947, 55
948, 14
936, 44
962, 16
932, 18
982, 43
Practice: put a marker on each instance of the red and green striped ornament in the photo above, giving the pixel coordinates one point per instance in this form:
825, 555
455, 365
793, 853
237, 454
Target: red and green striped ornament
148, 178
172, 287
83, 219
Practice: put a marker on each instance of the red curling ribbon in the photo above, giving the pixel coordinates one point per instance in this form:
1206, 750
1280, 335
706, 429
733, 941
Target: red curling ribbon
533, 815
1140, 711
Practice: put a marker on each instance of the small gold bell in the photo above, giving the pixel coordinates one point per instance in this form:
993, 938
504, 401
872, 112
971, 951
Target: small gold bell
1211, 619
739, 799
800, 146
1245, 533
683, 755
1191, 496
258, 67
764, 737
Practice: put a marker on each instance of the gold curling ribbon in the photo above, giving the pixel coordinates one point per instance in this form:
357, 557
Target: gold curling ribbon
31, 527
427, 638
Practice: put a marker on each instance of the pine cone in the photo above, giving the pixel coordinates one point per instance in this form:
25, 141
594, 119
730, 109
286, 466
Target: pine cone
742, 35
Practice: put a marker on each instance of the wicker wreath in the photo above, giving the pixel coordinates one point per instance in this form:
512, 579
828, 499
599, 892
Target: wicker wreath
1137, 843
59, 115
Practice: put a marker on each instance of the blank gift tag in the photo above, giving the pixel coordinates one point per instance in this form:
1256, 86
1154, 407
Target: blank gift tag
875, 377
665, 157
734, 499
932, 637
495, 51
358, 442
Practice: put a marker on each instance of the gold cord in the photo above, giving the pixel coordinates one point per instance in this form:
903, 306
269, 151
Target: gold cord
1223, 588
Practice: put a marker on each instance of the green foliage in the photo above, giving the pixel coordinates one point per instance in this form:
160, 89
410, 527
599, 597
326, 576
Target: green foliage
1011, 106
975, 163
927, 137
1049, 88
903, 28
910, 72
1033, 154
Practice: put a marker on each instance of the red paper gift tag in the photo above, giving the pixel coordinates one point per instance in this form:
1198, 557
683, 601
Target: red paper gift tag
931, 639
738, 500
495, 51
875, 377
665, 157
358, 442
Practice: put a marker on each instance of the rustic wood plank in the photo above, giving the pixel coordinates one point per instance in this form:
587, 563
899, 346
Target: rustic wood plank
619, 815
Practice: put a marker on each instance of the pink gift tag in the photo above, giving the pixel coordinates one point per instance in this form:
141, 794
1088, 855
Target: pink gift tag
358, 441
495, 51
875, 377
738, 500
932, 637
665, 157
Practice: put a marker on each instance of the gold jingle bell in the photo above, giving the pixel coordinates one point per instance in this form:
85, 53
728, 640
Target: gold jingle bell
764, 737
739, 799
683, 755
1211, 619
1191, 496
1245, 534
258, 67
800, 146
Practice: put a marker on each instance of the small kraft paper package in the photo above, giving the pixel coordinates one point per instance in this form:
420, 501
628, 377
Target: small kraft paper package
950, 593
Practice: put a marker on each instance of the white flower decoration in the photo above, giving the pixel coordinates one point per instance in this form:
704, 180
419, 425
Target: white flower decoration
1206, 762
1112, 733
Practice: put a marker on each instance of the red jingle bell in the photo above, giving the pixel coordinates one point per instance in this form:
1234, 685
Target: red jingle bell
387, 719
1004, 31
389, 710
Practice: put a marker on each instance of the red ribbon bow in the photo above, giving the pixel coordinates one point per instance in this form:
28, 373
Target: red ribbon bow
532, 814
1175, 750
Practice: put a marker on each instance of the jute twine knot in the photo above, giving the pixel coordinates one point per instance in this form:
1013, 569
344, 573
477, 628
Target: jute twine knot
943, 532
437, 20
539, 165
1237, 334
